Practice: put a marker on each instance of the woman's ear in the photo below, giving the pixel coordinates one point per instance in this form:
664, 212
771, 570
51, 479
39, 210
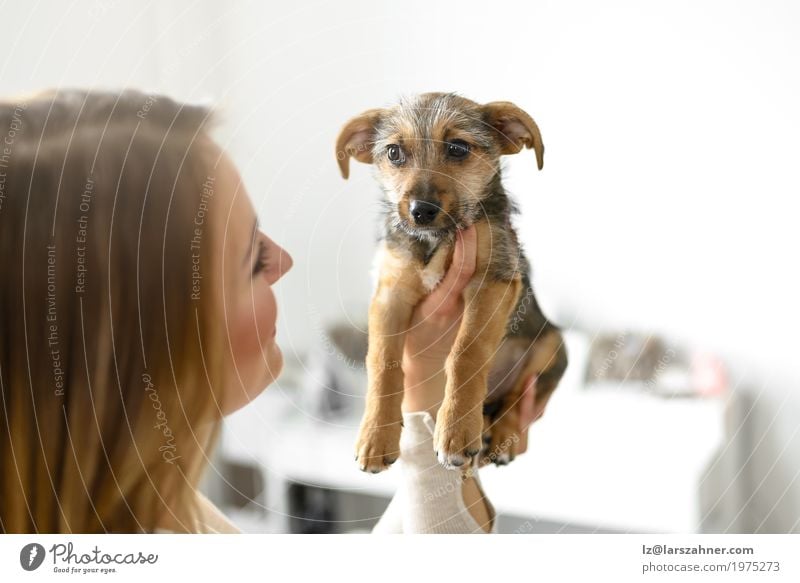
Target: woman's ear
515, 129
356, 139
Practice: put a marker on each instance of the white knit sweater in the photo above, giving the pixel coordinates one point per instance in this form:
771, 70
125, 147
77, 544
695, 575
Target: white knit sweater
429, 498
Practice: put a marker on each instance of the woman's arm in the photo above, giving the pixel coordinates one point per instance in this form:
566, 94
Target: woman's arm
434, 326
434, 496
433, 330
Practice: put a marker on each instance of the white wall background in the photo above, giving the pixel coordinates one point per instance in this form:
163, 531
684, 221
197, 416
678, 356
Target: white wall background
668, 197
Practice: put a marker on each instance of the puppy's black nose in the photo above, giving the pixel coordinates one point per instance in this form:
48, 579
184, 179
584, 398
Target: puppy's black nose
423, 211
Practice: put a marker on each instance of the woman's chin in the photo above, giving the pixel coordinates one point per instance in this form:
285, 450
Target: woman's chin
274, 359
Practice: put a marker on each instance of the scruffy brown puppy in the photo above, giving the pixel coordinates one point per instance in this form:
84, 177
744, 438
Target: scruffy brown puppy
437, 158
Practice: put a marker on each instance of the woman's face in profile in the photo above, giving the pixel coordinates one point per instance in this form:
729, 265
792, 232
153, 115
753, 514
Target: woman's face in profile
252, 263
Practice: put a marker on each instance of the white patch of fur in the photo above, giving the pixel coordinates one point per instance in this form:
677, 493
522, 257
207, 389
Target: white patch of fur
383, 296
377, 261
431, 277
434, 271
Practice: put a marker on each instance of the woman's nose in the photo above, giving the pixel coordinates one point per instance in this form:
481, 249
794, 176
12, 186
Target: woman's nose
285, 262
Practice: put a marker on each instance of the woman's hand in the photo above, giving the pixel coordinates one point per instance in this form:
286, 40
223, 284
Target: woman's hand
529, 412
434, 326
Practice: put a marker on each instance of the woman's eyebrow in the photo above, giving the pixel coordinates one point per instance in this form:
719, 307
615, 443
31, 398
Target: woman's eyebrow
252, 238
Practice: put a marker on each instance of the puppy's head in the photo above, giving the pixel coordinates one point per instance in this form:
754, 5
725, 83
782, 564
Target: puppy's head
436, 155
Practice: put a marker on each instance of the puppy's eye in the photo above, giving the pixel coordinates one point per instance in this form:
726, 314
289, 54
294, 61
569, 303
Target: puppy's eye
457, 149
395, 154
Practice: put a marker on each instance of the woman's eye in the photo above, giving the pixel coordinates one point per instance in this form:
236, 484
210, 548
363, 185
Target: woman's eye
261, 258
395, 154
457, 149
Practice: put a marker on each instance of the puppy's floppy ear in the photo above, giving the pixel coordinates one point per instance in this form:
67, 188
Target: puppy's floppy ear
515, 129
356, 139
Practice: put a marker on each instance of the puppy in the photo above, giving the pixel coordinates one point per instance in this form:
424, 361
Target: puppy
437, 158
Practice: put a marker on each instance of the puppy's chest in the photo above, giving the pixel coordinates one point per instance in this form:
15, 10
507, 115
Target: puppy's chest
433, 267
428, 261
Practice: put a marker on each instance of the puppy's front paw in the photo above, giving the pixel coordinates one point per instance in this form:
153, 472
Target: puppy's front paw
378, 445
457, 438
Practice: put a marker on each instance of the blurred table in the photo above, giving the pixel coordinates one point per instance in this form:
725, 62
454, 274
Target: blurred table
602, 459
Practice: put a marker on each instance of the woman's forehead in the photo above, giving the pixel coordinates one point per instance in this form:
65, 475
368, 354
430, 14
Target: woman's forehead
234, 198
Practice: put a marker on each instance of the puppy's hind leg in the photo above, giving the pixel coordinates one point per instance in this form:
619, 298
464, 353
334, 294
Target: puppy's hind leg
547, 361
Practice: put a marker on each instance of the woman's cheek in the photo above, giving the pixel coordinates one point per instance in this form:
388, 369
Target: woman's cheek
264, 310
251, 333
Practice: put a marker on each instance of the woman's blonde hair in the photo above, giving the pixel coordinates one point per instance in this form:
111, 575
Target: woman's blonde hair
109, 341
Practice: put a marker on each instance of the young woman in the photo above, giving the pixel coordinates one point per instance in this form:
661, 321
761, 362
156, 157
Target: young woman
136, 311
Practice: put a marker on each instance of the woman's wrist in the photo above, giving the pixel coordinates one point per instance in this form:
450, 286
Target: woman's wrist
424, 384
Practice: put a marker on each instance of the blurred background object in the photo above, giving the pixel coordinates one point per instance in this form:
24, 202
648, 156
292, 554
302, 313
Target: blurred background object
647, 362
665, 212
336, 372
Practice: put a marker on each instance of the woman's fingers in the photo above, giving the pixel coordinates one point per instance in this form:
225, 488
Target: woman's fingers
522, 445
447, 294
527, 413
527, 405
468, 254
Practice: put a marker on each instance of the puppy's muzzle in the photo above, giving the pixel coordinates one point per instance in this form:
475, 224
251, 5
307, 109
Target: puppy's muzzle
423, 212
